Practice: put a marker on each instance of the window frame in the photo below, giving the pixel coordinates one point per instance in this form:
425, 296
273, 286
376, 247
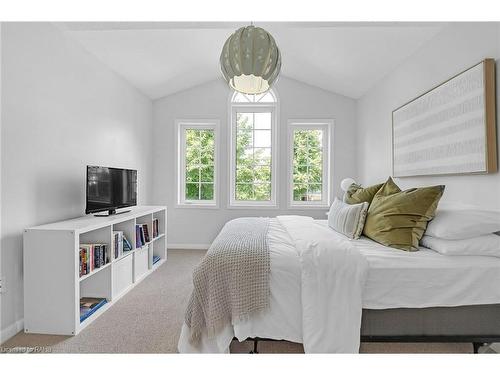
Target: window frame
327, 126
255, 107
181, 127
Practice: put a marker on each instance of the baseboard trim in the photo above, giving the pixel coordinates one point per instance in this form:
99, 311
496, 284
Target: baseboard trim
11, 331
188, 246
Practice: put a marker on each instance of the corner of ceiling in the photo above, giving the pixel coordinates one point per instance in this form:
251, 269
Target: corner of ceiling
443, 26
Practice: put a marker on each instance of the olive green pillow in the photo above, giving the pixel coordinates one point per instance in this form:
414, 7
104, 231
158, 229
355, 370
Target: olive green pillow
399, 218
358, 194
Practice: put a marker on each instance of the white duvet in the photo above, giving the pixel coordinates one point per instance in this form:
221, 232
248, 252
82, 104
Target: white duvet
316, 287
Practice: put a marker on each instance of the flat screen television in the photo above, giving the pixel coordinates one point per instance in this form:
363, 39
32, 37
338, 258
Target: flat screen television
110, 188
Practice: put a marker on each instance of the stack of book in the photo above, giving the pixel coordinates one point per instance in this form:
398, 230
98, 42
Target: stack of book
120, 244
156, 258
92, 256
89, 305
155, 228
141, 235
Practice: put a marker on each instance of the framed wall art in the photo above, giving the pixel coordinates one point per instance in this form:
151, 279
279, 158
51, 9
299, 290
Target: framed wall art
450, 129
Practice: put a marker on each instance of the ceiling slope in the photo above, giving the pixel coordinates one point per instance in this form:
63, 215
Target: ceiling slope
163, 58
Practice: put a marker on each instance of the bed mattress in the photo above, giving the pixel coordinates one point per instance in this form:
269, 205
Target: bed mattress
396, 279
426, 278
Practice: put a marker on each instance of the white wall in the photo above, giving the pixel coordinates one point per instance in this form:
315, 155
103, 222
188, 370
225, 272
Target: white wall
456, 48
210, 100
61, 110
1, 339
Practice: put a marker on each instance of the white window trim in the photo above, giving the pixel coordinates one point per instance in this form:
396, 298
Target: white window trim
327, 125
272, 92
181, 125
253, 107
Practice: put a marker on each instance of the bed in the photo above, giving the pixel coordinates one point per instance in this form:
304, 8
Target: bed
406, 296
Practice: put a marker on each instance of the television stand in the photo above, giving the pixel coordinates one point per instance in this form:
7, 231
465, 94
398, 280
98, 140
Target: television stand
53, 286
111, 212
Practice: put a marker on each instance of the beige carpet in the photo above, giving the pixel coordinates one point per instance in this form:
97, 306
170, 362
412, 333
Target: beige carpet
148, 320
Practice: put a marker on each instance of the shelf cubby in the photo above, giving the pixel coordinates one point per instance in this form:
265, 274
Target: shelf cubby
97, 284
162, 223
148, 220
159, 248
123, 275
99, 235
141, 262
128, 229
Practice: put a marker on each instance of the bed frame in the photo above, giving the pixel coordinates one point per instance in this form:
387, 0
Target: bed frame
477, 324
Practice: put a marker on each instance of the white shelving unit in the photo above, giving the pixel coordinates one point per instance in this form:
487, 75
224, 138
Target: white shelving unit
52, 284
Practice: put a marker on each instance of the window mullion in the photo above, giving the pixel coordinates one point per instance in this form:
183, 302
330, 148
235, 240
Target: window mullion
199, 165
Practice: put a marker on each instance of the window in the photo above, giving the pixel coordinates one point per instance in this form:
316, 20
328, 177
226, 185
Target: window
309, 157
197, 163
253, 150
267, 97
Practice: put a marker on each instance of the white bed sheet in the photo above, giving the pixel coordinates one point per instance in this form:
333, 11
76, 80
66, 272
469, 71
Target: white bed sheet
426, 278
395, 279
282, 320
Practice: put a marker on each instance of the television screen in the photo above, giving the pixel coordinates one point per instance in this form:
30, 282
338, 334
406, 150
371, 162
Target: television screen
110, 188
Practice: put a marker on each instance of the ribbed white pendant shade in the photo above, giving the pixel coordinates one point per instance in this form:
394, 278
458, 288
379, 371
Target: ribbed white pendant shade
250, 60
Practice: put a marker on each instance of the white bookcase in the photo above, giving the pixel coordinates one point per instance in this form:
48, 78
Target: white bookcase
52, 283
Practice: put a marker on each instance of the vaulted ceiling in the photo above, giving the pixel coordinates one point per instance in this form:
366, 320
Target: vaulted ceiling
163, 58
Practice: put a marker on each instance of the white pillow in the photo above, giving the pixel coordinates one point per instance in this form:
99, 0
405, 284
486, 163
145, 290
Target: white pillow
488, 245
457, 224
348, 219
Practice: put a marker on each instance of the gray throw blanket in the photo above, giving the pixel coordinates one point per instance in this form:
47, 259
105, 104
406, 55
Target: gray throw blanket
232, 280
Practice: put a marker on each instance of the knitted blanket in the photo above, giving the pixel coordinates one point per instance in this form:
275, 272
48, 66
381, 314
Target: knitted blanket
232, 280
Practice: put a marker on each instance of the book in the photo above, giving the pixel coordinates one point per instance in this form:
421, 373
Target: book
96, 253
89, 305
155, 228
127, 246
142, 235
143, 238
105, 253
81, 261
84, 262
138, 240
86, 258
145, 231
118, 243
92, 256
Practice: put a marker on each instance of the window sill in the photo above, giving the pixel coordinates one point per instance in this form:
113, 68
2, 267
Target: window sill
243, 206
308, 207
197, 205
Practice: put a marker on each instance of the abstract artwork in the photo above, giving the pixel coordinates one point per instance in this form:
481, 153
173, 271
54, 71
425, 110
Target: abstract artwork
450, 129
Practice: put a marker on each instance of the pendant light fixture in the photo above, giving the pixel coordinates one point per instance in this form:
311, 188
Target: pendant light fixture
250, 60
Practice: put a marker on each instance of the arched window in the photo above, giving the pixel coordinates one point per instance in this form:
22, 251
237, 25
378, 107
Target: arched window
253, 157
267, 97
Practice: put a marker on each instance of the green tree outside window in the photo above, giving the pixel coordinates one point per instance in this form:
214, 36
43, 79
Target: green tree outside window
200, 164
307, 165
253, 157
